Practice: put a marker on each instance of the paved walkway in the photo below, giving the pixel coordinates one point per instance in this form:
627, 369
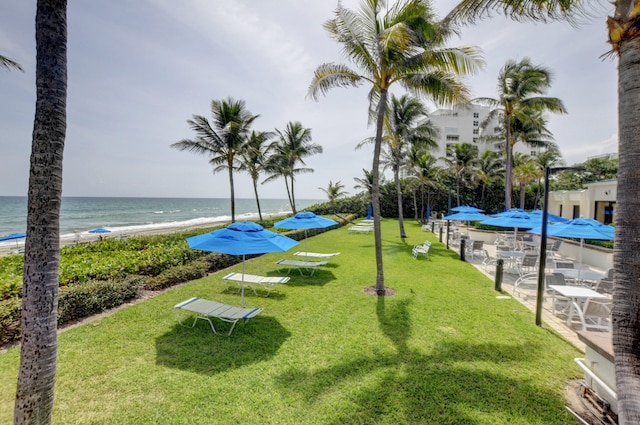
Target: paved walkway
526, 297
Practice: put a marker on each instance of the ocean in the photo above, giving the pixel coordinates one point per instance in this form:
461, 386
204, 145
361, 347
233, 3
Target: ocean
80, 214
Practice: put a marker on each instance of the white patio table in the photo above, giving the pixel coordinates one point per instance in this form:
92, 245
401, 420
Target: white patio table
577, 296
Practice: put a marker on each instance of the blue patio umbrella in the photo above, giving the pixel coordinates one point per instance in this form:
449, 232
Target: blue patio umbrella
466, 209
579, 228
305, 220
466, 216
242, 238
551, 217
100, 230
369, 212
13, 236
515, 218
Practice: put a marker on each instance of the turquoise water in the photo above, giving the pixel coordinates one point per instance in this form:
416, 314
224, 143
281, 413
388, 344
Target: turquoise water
80, 214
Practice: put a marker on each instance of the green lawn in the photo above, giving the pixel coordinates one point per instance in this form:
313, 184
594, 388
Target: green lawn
443, 350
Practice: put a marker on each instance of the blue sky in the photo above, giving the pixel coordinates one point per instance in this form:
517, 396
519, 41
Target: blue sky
138, 70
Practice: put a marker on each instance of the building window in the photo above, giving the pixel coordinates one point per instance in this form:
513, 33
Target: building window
476, 115
534, 153
452, 138
496, 129
475, 123
449, 149
476, 131
475, 140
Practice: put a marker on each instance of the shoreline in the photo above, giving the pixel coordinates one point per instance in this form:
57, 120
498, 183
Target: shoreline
17, 246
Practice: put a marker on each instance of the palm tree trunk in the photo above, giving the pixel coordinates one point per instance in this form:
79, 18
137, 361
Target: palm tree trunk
36, 377
484, 186
255, 191
231, 188
293, 197
508, 169
626, 294
522, 195
286, 183
375, 193
396, 177
414, 193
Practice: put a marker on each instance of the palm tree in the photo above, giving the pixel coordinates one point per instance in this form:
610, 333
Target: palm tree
624, 39
253, 159
400, 44
547, 158
489, 168
9, 64
334, 191
423, 174
461, 158
519, 107
222, 139
36, 376
406, 127
366, 183
525, 171
293, 145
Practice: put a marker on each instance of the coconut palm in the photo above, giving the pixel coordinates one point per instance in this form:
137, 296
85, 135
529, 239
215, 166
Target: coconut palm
489, 168
294, 143
525, 172
253, 158
221, 139
334, 191
366, 183
519, 108
461, 158
547, 158
423, 174
403, 44
36, 376
625, 44
406, 127
9, 64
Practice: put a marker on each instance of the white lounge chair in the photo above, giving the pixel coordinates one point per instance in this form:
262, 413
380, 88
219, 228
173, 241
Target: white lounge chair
311, 266
315, 254
267, 282
205, 310
361, 228
421, 249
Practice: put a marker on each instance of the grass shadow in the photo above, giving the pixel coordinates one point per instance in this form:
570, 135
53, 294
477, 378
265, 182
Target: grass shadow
198, 350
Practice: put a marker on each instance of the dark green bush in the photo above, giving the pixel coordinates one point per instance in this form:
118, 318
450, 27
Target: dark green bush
194, 270
10, 320
94, 297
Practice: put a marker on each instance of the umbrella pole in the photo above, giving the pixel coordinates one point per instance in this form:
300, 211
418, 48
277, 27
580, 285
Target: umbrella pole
580, 264
242, 285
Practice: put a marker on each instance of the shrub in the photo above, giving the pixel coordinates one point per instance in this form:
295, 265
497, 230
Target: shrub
10, 320
95, 297
178, 274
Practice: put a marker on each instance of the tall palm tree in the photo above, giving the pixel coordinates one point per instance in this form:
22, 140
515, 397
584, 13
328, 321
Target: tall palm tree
8, 64
294, 143
423, 173
403, 44
36, 376
461, 158
489, 168
253, 159
625, 44
334, 191
521, 85
221, 139
406, 126
366, 183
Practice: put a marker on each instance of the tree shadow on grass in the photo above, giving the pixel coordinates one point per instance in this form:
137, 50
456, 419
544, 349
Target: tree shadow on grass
457, 382
321, 277
198, 350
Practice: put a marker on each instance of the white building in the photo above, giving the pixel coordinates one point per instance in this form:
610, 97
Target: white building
462, 125
597, 200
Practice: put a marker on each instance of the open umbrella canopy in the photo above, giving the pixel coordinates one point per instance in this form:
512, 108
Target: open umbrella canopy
242, 238
537, 214
13, 236
466, 209
100, 230
466, 216
305, 220
579, 228
515, 217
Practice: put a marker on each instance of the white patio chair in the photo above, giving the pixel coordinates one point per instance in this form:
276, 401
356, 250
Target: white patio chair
596, 314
